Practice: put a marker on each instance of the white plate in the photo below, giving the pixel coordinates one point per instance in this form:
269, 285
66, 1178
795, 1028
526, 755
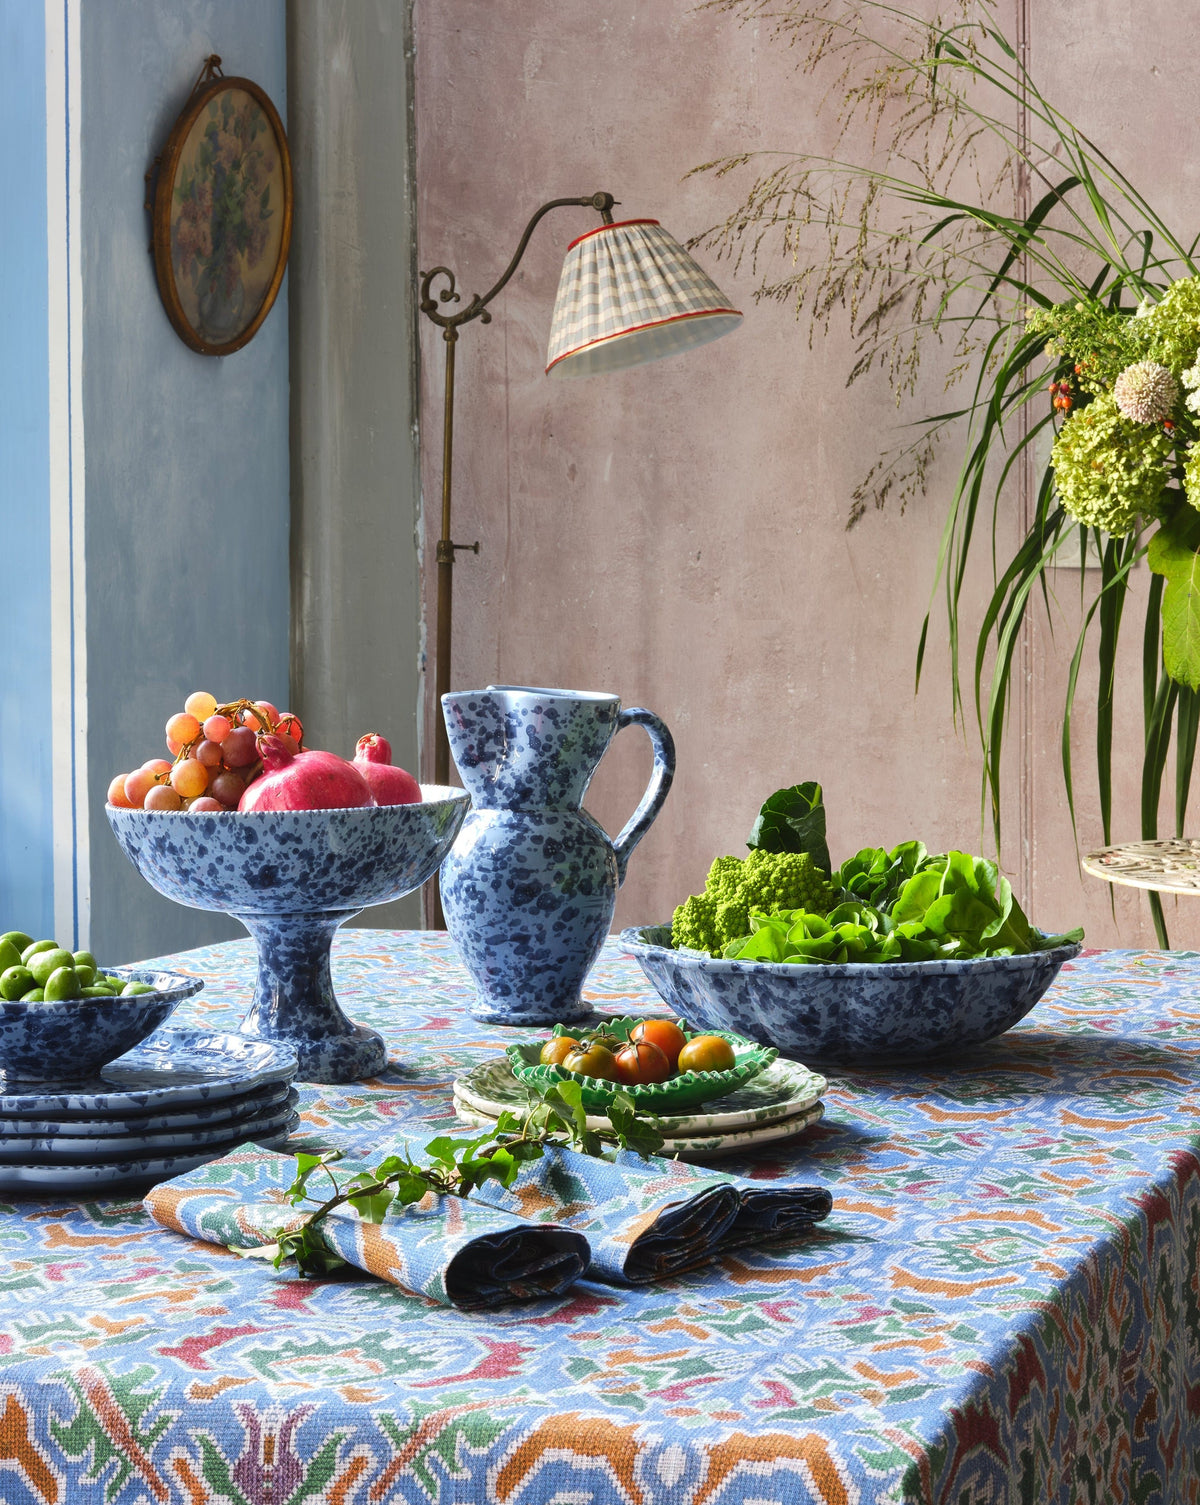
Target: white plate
17, 1149
782, 1090
172, 1066
228, 1110
54, 1180
699, 1146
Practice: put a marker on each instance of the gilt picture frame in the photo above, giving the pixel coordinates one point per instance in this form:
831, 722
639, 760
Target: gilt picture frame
222, 213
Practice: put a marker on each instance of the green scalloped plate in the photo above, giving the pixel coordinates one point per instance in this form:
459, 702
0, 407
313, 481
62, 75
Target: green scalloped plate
687, 1090
784, 1090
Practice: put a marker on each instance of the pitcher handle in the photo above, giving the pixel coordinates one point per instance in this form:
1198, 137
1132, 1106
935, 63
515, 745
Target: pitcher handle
656, 791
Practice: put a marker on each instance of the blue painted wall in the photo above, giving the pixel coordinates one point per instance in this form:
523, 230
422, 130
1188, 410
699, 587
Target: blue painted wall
26, 875
186, 455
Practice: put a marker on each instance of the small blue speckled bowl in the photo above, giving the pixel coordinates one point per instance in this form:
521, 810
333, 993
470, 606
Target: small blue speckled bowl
855, 1012
70, 1039
292, 877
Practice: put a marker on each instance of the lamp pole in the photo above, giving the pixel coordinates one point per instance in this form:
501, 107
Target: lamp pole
446, 548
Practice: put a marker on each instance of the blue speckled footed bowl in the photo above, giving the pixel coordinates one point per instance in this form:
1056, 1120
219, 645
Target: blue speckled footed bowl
292, 877
861, 1012
69, 1039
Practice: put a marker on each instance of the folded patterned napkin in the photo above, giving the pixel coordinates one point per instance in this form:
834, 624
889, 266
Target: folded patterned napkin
452, 1250
643, 1219
776, 1210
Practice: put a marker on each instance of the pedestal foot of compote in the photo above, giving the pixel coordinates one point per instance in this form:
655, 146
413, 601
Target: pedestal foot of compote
294, 1002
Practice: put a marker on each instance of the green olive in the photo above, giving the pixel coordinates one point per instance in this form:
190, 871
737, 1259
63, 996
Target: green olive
9, 955
132, 989
18, 938
35, 995
43, 963
15, 982
97, 992
86, 959
35, 946
63, 983
85, 974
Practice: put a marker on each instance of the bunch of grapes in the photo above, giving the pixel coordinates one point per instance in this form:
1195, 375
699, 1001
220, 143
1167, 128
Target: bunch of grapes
215, 755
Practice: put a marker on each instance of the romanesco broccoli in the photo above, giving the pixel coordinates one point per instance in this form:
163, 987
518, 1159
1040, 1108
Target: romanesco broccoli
763, 881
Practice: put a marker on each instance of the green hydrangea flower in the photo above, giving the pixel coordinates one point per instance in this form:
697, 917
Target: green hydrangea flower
1191, 476
1107, 470
1172, 326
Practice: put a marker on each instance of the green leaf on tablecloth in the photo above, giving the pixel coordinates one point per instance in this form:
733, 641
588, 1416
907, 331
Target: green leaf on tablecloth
410, 1189
305, 1165
634, 1131
525, 1151
372, 1205
306, 1246
568, 1097
449, 1152
498, 1165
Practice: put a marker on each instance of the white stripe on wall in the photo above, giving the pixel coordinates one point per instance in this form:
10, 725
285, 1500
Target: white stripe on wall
68, 643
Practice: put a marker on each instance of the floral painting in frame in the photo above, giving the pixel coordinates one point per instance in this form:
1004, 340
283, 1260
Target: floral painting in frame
222, 213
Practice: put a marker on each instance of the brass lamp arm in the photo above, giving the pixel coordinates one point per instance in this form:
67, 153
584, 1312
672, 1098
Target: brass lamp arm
446, 547
477, 308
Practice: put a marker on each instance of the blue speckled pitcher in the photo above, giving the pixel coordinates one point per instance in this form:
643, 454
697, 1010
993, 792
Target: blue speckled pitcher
529, 886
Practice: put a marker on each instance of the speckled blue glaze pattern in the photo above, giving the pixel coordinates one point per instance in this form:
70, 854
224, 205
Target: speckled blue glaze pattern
292, 877
174, 1069
529, 887
70, 1039
862, 1012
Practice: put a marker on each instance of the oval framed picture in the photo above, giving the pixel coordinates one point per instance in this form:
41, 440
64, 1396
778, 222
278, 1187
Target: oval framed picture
222, 214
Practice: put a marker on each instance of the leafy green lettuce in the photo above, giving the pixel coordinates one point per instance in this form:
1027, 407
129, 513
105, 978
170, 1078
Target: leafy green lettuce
793, 820
952, 906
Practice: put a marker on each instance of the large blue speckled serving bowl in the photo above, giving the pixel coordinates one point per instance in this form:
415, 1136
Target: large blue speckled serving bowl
292, 877
69, 1039
849, 1013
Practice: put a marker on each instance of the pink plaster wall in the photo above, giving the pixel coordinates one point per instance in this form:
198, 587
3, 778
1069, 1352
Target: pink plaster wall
676, 533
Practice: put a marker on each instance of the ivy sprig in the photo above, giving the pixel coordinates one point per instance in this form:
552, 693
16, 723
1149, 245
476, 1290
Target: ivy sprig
456, 1167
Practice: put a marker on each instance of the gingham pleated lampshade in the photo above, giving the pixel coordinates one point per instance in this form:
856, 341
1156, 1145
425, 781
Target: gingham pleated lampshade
630, 293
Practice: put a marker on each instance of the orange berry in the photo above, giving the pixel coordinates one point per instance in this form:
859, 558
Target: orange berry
138, 785
182, 728
189, 778
163, 797
200, 704
117, 795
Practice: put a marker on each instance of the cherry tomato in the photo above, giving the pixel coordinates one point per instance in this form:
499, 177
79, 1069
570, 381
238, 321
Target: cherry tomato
706, 1053
664, 1033
555, 1050
591, 1059
641, 1061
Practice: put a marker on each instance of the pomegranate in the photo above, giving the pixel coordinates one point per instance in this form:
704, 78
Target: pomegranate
309, 780
390, 785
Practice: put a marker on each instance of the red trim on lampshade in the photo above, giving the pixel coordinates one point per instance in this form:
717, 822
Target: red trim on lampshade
699, 313
600, 229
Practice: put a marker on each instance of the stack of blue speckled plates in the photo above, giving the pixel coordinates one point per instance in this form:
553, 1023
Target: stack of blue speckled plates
180, 1098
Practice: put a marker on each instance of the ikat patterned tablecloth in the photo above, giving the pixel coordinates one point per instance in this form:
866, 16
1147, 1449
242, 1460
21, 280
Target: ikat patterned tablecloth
1002, 1306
